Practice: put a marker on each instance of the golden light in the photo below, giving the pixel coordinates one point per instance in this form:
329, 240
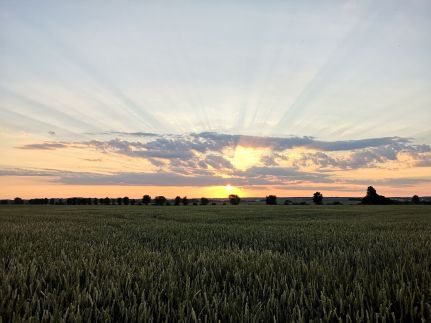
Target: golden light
229, 189
246, 157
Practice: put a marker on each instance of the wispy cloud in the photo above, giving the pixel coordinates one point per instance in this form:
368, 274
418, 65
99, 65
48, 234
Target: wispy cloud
45, 146
124, 133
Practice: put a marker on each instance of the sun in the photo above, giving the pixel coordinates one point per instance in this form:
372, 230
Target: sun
229, 188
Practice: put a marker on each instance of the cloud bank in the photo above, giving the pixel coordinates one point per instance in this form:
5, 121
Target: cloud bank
211, 159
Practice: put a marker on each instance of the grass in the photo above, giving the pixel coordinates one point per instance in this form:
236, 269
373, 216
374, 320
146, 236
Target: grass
215, 263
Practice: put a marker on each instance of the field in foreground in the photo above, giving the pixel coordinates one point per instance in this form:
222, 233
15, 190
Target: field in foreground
209, 263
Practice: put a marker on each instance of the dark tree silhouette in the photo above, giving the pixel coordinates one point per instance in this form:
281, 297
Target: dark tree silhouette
372, 198
18, 201
204, 201
146, 199
126, 200
119, 201
234, 199
415, 199
177, 201
160, 200
317, 198
271, 200
185, 200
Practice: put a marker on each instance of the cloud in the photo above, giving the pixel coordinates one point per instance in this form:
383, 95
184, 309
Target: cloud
284, 174
276, 177
401, 181
28, 172
216, 162
169, 178
280, 144
45, 146
188, 153
124, 133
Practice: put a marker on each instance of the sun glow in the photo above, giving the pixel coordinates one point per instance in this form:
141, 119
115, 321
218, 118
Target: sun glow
229, 188
245, 157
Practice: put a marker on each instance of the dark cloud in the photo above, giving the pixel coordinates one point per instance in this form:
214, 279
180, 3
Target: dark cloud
279, 144
217, 162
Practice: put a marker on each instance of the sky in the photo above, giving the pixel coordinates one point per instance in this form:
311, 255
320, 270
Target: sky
209, 98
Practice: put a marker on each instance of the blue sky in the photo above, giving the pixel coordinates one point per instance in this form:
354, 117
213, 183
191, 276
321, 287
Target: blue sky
76, 72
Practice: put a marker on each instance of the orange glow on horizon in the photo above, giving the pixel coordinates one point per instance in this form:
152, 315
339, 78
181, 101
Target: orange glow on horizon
32, 187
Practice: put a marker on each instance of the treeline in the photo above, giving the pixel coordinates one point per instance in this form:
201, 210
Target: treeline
146, 200
371, 198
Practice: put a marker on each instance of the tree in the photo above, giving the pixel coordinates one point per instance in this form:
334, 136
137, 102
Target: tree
415, 199
177, 201
18, 201
126, 200
185, 200
371, 191
160, 200
372, 198
146, 199
234, 199
271, 200
119, 201
204, 201
317, 198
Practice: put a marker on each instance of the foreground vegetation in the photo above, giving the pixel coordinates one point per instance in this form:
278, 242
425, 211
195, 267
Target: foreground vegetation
209, 263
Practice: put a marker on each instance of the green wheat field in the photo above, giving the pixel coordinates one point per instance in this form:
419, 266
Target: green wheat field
215, 263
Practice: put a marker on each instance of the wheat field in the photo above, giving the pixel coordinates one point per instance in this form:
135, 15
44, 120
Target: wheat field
215, 263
